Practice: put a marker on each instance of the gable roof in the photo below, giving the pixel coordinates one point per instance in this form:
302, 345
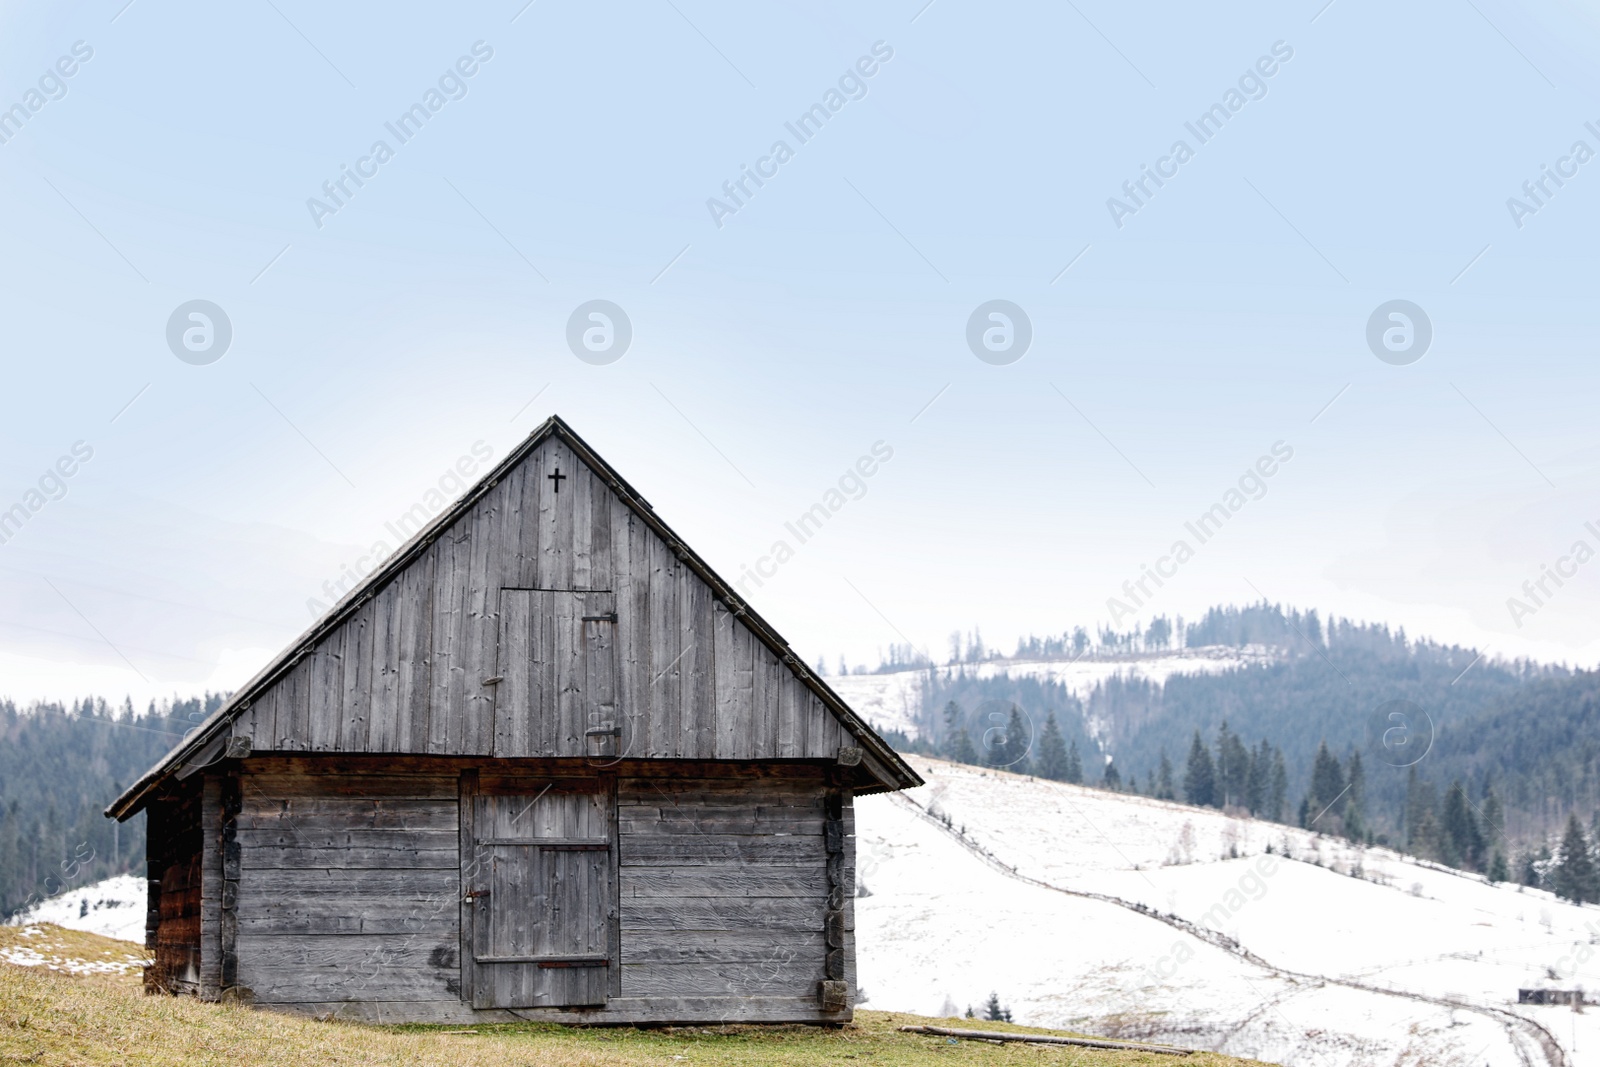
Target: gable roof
207, 743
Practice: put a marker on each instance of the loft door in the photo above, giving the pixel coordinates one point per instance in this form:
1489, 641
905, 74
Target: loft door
556, 689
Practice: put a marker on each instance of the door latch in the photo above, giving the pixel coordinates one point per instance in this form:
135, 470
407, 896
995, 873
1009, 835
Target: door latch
610, 616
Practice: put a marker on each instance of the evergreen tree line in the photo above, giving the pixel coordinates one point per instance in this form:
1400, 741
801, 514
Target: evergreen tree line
1533, 730
1470, 834
1238, 777
60, 765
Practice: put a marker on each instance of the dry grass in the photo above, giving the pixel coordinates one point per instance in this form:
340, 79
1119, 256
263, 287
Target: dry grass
55, 1017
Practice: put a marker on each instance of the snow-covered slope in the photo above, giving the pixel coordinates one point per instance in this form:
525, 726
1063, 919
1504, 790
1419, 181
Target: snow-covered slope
890, 701
112, 908
1132, 916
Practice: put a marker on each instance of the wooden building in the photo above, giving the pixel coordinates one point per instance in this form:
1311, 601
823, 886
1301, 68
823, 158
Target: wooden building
544, 763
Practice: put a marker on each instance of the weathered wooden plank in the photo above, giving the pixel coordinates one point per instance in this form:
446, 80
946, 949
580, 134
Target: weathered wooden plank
210, 887
719, 946
567, 777
267, 786
326, 693
729, 715
445, 705
666, 666
308, 814
355, 695
765, 686
687, 804
613, 986
791, 715
733, 782
359, 901
600, 674
695, 824
512, 694
350, 858
256, 722
582, 489
383, 673
415, 662
698, 725
782, 973
565, 674
767, 913
644, 775
555, 517
350, 967
721, 848
480, 625
602, 564
632, 585
683, 882
471, 879
298, 685
515, 568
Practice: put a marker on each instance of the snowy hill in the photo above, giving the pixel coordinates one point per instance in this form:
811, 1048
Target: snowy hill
890, 701
112, 908
1126, 915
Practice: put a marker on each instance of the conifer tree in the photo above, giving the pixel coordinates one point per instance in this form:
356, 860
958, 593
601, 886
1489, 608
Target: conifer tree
1074, 764
1199, 777
1575, 875
1327, 796
1499, 871
1112, 779
1355, 807
952, 727
1232, 767
1425, 842
1527, 872
1460, 843
961, 750
1257, 778
1280, 787
1164, 789
1494, 820
994, 1012
1422, 822
1011, 753
1052, 751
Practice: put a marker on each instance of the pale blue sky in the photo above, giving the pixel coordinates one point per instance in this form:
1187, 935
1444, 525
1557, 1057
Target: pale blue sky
769, 353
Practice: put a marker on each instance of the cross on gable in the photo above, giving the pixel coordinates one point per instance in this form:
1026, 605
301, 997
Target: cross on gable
558, 478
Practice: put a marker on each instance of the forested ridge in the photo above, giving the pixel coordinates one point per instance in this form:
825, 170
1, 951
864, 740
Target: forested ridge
1432, 748
60, 765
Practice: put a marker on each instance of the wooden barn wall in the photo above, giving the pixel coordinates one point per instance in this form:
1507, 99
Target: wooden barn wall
725, 890
349, 886
173, 916
349, 890
405, 673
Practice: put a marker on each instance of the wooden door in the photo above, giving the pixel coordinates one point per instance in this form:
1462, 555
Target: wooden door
557, 688
542, 897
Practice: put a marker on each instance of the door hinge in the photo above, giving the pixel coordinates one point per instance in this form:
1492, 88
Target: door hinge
603, 731
609, 616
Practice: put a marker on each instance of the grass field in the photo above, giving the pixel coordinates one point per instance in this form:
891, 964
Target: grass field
97, 1016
